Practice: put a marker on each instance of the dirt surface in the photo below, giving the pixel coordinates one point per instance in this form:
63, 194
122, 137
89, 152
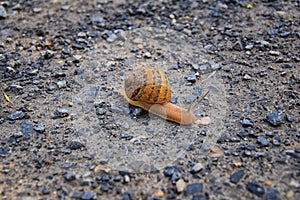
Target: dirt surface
68, 134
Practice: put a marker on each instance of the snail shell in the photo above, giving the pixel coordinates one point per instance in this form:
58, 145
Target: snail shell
148, 85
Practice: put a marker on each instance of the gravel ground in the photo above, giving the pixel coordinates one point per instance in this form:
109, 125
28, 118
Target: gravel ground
68, 134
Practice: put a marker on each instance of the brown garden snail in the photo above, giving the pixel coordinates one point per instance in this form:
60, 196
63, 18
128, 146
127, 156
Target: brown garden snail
150, 89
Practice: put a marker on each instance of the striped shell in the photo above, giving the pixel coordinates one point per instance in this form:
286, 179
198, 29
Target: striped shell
149, 85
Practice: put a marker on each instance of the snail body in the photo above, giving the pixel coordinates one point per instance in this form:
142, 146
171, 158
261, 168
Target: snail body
149, 89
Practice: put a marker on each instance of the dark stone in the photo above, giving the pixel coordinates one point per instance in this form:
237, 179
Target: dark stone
250, 147
255, 188
275, 118
251, 132
270, 134
104, 188
223, 138
191, 78
100, 111
203, 132
18, 134
193, 188
78, 71
259, 154
137, 111
273, 31
281, 160
77, 195
115, 109
88, 196
175, 176
199, 197
236, 177
263, 141
27, 130
62, 112
96, 19
242, 134
285, 34
197, 168
272, 194
126, 196
4, 151
39, 129
290, 118
276, 141
45, 191
118, 178
247, 122
174, 66
169, 171
85, 183
69, 176
75, 145
105, 177
15, 116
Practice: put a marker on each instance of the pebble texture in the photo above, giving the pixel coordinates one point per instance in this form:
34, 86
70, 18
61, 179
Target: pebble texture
67, 134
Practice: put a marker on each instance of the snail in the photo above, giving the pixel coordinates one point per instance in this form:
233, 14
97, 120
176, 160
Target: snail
149, 89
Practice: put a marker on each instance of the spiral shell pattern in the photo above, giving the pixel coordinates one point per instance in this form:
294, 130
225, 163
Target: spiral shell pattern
149, 85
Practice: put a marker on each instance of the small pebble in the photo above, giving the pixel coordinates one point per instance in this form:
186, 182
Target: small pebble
276, 141
16, 116
237, 176
255, 188
118, 178
115, 109
192, 78
39, 129
273, 194
105, 177
137, 111
3, 13
127, 196
247, 77
270, 134
290, 118
259, 154
100, 111
175, 176
88, 196
275, 118
247, 122
65, 7
62, 112
45, 191
193, 188
69, 176
104, 188
159, 194
62, 84
180, 185
18, 134
169, 171
75, 145
126, 179
290, 194
274, 53
263, 141
197, 168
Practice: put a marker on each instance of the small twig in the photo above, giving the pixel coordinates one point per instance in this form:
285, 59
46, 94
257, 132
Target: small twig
208, 76
198, 101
